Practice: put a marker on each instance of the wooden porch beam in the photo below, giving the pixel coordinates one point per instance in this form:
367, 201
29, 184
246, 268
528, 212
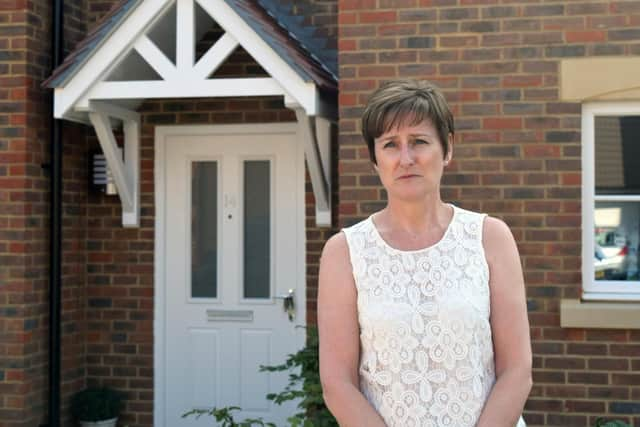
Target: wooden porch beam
187, 88
125, 171
317, 156
215, 56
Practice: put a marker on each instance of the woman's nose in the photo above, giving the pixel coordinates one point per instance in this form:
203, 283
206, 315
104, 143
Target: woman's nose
406, 155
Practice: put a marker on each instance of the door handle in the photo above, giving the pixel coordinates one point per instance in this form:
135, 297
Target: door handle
288, 304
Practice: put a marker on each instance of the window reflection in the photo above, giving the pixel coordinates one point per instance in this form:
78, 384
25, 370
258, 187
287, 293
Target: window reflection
617, 151
617, 240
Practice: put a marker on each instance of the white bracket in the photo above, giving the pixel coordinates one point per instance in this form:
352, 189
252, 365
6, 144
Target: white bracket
126, 172
316, 135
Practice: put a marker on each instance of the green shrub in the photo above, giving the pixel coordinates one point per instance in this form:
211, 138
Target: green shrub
304, 384
314, 411
601, 422
224, 415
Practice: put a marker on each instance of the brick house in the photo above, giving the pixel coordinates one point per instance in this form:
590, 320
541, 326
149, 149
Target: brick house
546, 102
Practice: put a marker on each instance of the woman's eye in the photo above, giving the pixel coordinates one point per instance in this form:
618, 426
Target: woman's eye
389, 144
421, 141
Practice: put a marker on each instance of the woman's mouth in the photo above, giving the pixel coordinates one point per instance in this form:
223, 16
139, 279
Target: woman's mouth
408, 176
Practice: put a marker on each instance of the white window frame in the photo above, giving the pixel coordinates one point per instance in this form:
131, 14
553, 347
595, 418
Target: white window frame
609, 290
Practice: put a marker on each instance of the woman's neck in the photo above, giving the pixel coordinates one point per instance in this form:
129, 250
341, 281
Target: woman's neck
415, 218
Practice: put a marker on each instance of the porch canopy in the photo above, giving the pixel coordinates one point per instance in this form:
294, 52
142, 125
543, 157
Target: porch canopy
147, 49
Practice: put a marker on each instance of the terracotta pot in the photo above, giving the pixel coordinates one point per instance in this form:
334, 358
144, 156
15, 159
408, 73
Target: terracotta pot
104, 423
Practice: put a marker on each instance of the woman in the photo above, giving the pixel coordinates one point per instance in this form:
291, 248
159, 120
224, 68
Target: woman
421, 307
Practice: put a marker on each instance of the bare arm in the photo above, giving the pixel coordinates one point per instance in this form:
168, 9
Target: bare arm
509, 327
340, 338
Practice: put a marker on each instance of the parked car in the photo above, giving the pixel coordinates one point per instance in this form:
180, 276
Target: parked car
615, 262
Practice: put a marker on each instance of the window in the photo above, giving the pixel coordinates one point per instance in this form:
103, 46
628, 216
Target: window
611, 200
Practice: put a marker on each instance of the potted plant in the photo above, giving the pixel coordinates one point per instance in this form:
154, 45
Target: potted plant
97, 407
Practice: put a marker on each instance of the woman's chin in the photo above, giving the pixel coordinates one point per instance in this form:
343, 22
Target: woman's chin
409, 195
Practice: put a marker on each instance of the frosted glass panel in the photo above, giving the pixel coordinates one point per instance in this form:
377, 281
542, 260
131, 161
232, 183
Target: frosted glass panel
204, 229
257, 228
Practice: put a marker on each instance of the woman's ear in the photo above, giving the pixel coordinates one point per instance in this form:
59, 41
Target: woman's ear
449, 155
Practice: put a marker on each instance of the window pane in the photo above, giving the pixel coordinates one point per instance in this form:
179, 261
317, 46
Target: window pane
257, 229
617, 151
617, 238
204, 229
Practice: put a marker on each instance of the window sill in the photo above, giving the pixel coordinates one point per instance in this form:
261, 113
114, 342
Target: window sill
591, 314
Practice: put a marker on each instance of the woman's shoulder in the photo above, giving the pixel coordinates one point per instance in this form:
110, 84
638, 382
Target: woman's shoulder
357, 225
348, 239
497, 238
467, 215
492, 230
336, 257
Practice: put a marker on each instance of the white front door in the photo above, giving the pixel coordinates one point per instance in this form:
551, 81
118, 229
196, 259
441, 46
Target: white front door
230, 244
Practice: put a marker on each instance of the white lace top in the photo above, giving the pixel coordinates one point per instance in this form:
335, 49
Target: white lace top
426, 355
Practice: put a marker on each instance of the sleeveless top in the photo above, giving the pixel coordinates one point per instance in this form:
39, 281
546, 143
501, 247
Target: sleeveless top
426, 351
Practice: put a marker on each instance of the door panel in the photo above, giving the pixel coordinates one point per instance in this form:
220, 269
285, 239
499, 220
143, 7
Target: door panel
230, 248
255, 349
204, 366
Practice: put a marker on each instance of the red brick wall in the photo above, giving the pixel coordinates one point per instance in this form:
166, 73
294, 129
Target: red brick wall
517, 157
25, 36
74, 259
74, 234
15, 248
96, 9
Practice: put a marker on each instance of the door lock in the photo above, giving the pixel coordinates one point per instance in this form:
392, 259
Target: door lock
288, 304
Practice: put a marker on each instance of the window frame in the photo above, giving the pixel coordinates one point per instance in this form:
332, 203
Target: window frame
603, 290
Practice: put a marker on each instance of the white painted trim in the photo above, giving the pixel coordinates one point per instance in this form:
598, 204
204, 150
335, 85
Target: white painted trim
131, 130
140, 19
126, 172
592, 289
159, 327
185, 35
114, 111
187, 88
159, 299
303, 92
155, 57
215, 56
617, 198
604, 296
319, 179
323, 139
102, 126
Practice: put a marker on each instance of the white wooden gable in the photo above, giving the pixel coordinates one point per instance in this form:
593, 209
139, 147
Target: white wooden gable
152, 54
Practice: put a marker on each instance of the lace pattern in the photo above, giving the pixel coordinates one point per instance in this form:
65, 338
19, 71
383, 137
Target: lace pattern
426, 345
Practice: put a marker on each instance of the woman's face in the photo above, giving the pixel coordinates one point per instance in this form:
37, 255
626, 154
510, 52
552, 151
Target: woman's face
410, 161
